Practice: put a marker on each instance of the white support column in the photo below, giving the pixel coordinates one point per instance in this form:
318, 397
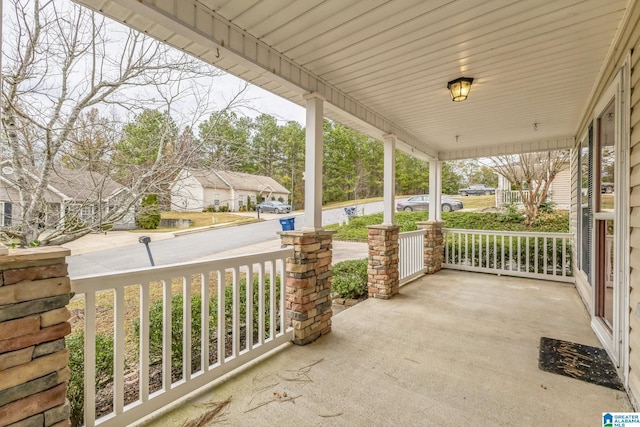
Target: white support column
313, 164
439, 190
389, 180
433, 190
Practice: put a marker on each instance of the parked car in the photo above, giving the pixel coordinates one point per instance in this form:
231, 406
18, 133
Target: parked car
607, 187
477, 190
274, 206
421, 203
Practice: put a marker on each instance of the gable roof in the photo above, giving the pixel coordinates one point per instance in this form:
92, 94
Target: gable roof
237, 181
73, 184
207, 178
83, 185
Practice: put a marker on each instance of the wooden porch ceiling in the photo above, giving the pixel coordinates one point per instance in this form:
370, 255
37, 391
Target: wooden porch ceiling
383, 65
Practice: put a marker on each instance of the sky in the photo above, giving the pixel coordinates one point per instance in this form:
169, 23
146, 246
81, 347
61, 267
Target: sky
220, 89
264, 101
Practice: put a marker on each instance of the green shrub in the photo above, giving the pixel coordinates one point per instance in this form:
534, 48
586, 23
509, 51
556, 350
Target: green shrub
155, 329
547, 207
149, 215
510, 213
349, 279
156, 321
104, 370
223, 208
356, 229
557, 221
474, 253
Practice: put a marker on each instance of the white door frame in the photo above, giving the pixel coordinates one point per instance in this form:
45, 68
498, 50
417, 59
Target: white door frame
616, 341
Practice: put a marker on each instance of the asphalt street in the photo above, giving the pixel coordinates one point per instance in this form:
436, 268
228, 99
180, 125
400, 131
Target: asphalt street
193, 246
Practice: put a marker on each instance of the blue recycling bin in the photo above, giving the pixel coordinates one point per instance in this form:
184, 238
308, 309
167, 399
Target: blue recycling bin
350, 211
288, 224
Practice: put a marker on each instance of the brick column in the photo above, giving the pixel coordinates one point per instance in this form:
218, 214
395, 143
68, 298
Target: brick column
34, 293
383, 261
308, 287
433, 245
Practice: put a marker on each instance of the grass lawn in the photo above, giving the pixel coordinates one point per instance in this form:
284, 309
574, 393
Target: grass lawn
202, 219
353, 202
476, 202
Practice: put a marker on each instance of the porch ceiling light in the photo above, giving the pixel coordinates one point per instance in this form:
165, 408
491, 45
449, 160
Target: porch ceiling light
460, 88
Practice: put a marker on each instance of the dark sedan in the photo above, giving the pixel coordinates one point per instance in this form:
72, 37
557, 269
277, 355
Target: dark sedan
421, 203
274, 206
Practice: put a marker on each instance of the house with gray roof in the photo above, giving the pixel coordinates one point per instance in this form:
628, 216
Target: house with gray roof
83, 192
196, 190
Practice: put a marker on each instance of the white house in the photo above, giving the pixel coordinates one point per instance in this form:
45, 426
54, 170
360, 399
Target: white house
560, 191
196, 190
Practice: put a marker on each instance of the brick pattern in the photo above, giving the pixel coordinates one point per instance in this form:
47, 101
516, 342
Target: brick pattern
383, 261
433, 245
308, 286
34, 293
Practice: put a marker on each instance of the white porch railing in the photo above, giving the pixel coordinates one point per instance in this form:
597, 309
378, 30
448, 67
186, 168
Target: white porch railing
246, 321
514, 197
411, 255
535, 255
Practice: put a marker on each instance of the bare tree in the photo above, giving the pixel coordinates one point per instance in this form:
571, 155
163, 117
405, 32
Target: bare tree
60, 62
532, 174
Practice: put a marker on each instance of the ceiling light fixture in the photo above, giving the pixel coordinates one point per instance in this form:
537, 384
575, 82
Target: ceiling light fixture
459, 88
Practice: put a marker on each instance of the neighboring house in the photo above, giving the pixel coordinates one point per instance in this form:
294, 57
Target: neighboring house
560, 191
89, 193
196, 190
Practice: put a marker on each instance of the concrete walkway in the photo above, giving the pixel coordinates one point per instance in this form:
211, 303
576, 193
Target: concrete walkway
452, 349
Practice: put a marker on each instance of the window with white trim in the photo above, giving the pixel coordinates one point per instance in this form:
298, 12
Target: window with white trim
5, 214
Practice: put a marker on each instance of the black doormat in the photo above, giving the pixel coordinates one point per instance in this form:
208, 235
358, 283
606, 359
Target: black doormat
583, 362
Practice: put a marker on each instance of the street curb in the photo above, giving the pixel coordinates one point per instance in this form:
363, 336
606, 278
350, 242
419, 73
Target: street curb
217, 226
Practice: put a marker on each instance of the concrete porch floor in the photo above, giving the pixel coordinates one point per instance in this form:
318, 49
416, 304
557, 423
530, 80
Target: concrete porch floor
452, 349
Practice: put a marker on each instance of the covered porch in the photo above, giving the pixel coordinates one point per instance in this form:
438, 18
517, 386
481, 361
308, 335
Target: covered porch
448, 348
454, 348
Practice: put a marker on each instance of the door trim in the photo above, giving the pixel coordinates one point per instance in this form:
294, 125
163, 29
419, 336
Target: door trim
615, 342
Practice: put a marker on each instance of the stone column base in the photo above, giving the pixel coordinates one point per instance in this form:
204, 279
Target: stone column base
433, 245
383, 261
34, 372
308, 286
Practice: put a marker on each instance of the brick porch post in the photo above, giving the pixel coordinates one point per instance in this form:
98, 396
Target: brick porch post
308, 287
383, 261
433, 245
34, 293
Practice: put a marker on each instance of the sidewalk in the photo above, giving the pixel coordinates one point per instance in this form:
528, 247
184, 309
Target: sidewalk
112, 239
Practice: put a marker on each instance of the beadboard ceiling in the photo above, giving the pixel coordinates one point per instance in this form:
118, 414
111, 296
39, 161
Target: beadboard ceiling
383, 65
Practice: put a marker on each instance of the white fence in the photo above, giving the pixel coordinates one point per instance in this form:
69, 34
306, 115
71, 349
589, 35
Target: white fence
506, 197
535, 255
211, 334
411, 255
